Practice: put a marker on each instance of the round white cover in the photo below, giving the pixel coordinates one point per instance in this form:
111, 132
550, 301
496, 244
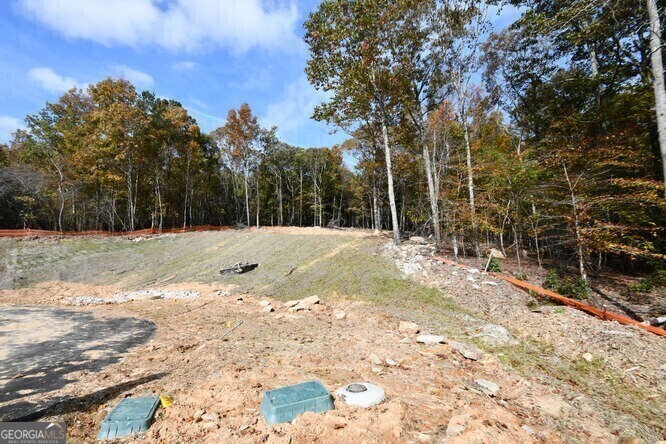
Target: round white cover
372, 396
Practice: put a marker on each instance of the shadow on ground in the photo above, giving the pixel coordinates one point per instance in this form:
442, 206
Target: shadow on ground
44, 349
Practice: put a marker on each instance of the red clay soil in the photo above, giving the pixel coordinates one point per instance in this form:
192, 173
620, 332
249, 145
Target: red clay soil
43, 233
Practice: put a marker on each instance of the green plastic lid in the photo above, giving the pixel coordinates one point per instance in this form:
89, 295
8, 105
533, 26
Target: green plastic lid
131, 415
285, 403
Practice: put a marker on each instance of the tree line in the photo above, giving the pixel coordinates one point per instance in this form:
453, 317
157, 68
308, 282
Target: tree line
544, 139
111, 158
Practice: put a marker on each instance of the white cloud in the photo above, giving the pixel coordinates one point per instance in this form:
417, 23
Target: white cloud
184, 65
8, 125
136, 77
52, 81
180, 25
291, 113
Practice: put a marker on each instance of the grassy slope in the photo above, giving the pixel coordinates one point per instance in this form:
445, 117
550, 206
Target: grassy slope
293, 266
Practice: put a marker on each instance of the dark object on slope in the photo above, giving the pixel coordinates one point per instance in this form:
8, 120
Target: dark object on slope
239, 268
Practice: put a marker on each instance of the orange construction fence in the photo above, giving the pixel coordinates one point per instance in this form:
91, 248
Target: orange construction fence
43, 233
602, 314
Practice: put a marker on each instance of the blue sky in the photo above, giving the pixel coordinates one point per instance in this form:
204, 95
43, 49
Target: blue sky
211, 55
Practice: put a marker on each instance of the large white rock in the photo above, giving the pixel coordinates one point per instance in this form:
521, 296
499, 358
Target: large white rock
409, 328
430, 339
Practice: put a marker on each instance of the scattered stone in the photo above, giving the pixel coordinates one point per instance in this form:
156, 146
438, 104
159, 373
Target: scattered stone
470, 278
411, 268
303, 304
391, 362
222, 293
588, 357
496, 335
375, 359
487, 387
264, 303
311, 300
376, 370
210, 417
430, 339
476, 287
409, 328
491, 283
418, 239
468, 351
339, 315
457, 425
141, 295
268, 309
528, 429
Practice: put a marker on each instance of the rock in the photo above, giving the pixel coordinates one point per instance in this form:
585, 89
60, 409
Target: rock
457, 425
291, 303
588, 357
391, 362
303, 304
264, 303
339, 315
468, 351
528, 429
470, 278
376, 370
409, 328
430, 339
411, 268
418, 239
311, 300
210, 417
476, 287
375, 359
496, 335
491, 283
268, 308
487, 387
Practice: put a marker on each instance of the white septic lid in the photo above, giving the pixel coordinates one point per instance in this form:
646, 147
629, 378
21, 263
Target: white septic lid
361, 394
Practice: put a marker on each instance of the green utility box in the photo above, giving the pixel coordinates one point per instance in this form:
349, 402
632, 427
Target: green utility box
286, 403
131, 415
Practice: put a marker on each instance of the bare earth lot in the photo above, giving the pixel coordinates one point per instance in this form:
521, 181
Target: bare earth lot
547, 391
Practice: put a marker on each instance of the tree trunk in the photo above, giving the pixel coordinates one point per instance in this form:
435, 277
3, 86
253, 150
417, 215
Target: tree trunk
574, 209
281, 219
389, 176
658, 83
376, 218
470, 180
257, 201
247, 197
432, 192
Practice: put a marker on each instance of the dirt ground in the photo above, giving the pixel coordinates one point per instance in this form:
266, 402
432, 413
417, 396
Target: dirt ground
216, 378
217, 384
